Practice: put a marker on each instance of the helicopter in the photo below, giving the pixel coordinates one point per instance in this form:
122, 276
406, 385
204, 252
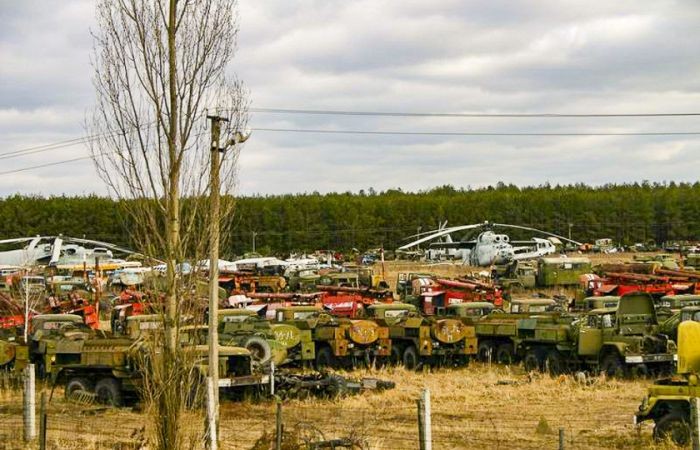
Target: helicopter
53, 250
488, 248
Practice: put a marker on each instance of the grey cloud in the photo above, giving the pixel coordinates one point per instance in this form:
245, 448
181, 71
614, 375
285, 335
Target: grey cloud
450, 55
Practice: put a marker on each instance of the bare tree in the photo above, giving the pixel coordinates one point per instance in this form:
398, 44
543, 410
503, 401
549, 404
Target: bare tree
159, 69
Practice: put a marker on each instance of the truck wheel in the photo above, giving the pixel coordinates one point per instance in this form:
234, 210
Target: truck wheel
532, 362
613, 366
504, 354
259, 348
673, 425
555, 363
75, 385
395, 357
640, 371
486, 350
324, 358
109, 392
410, 357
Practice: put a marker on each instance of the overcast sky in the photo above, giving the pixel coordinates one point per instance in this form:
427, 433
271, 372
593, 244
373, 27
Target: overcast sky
408, 56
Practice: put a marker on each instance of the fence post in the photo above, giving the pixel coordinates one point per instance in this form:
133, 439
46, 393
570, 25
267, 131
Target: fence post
278, 426
428, 430
211, 415
695, 423
42, 422
29, 404
561, 438
421, 423
272, 379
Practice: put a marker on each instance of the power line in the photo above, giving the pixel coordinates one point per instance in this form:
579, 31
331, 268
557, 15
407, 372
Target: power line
68, 143
71, 142
65, 161
463, 115
469, 133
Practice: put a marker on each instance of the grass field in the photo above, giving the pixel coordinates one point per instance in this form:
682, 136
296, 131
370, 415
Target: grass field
480, 406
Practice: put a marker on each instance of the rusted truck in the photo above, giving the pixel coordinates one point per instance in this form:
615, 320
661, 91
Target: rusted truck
336, 342
417, 340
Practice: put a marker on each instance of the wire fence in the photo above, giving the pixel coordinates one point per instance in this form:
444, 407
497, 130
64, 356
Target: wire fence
252, 426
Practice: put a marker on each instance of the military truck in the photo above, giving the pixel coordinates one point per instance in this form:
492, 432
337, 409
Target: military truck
416, 340
667, 402
557, 271
516, 274
340, 279
469, 313
111, 369
677, 302
596, 302
337, 341
13, 354
293, 328
531, 305
692, 260
618, 341
303, 280
57, 339
244, 328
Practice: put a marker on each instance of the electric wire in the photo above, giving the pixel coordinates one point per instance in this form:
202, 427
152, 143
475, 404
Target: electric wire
469, 133
463, 115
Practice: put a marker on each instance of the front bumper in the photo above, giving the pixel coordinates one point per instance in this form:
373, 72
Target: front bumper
248, 380
650, 358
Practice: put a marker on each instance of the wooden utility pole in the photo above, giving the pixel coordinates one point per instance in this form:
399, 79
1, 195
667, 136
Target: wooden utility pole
213, 394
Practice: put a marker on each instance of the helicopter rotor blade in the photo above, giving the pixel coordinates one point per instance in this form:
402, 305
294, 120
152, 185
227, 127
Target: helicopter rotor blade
505, 225
438, 234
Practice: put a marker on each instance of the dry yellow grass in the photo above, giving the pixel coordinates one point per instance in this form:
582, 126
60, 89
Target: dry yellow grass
474, 407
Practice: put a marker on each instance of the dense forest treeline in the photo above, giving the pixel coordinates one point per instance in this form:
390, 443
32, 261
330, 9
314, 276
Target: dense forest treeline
627, 213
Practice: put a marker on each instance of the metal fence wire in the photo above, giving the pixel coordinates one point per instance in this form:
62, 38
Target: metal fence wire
314, 424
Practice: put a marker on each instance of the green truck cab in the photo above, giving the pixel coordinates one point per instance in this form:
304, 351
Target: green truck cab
667, 402
337, 341
303, 280
597, 302
468, 312
416, 340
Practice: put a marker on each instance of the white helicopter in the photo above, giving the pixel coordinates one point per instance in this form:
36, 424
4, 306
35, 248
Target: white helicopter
53, 250
488, 248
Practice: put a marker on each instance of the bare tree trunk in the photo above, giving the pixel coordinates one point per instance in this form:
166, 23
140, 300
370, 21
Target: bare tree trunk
173, 213
159, 68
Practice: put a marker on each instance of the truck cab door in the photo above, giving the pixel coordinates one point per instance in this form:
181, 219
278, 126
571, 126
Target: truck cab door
590, 338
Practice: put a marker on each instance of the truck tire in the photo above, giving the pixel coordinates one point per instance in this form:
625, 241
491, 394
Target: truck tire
485, 349
109, 392
613, 365
410, 358
532, 361
505, 354
259, 348
395, 356
673, 425
77, 384
325, 358
554, 363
